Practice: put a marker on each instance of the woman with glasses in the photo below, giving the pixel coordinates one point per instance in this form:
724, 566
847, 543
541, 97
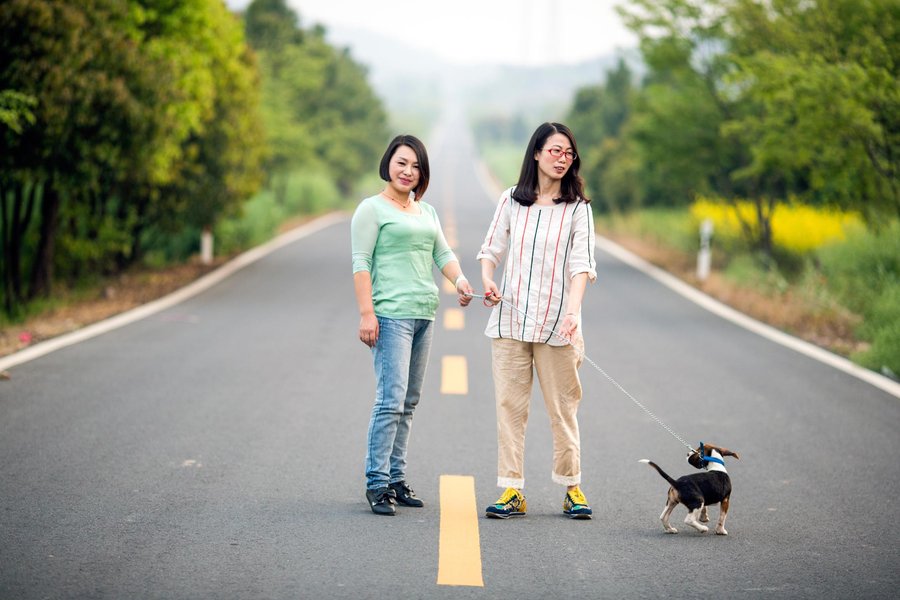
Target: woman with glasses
395, 239
543, 232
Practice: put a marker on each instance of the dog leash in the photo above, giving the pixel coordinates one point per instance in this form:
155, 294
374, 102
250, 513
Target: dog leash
484, 300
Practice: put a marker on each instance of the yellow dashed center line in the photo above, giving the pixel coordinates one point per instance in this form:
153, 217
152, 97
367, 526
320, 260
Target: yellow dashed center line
454, 375
454, 319
459, 554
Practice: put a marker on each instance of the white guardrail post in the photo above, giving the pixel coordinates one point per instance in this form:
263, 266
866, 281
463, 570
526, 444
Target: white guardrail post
206, 246
703, 257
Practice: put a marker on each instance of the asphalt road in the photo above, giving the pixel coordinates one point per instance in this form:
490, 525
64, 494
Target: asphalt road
215, 449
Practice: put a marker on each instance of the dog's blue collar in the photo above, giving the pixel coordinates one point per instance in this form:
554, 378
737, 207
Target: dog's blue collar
713, 459
705, 457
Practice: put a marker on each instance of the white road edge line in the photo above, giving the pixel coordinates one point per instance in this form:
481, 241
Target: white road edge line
200, 285
739, 318
714, 306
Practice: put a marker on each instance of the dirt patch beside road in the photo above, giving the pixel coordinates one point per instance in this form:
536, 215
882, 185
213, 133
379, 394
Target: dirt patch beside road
828, 327
115, 296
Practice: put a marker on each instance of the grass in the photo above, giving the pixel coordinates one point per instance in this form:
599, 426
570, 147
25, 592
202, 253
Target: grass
842, 293
503, 160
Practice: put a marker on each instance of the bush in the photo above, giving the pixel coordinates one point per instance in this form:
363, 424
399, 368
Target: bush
305, 194
745, 270
864, 273
860, 269
310, 193
256, 224
884, 353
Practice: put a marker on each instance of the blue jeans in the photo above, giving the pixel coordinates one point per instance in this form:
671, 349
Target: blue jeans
401, 357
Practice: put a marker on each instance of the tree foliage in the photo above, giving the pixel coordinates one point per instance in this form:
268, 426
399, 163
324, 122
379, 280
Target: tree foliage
759, 101
599, 114
822, 81
318, 107
123, 122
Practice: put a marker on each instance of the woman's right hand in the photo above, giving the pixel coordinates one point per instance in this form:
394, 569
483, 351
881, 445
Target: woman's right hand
491, 292
368, 329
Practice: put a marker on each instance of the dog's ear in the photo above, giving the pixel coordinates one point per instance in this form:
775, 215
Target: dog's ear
727, 452
723, 451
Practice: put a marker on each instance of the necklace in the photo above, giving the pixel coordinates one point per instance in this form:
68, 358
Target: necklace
397, 201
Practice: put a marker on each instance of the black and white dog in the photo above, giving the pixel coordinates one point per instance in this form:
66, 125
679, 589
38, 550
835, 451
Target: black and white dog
698, 491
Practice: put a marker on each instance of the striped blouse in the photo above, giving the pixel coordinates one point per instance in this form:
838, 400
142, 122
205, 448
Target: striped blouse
545, 246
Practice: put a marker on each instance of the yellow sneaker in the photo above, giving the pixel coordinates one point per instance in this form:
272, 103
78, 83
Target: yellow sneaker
576, 505
510, 504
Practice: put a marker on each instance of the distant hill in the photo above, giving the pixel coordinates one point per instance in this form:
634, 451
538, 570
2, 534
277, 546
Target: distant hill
410, 79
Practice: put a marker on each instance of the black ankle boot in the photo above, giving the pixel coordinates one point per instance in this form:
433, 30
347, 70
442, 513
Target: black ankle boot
381, 500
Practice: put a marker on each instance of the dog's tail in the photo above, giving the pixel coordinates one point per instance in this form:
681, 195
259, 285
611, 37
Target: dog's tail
660, 471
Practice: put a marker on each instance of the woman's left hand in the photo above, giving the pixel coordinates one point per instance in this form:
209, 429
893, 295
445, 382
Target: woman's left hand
569, 326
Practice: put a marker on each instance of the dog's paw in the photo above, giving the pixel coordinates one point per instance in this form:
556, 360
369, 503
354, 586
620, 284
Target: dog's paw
721, 531
671, 530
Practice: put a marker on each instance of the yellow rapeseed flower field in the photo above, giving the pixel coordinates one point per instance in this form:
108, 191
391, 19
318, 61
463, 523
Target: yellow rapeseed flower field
797, 228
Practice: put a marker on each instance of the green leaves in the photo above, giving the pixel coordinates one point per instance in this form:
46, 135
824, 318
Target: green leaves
144, 114
823, 98
318, 108
16, 110
121, 120
754, 100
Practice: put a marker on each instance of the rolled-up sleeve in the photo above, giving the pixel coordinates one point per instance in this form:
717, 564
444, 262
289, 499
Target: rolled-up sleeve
583, 259
497, 239
363, 236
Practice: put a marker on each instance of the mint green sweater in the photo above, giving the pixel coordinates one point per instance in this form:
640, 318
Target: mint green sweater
398, 250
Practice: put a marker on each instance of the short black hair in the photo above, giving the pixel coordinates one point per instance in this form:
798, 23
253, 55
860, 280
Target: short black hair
572, 185
421, 156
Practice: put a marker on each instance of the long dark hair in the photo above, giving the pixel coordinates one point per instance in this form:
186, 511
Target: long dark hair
571, 186
421, 156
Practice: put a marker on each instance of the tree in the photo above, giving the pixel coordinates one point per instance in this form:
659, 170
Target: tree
683, 102
69, 57
221, 162
679, 122
140, 106
319, 110
350, 117
787, 99
822, 79
599, 114
271, 26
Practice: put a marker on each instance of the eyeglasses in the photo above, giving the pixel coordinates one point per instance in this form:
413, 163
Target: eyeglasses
556, 152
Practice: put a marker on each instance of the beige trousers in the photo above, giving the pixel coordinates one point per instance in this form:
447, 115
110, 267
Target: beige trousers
513, 364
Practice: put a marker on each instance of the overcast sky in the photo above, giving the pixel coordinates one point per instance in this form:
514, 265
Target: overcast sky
470, 32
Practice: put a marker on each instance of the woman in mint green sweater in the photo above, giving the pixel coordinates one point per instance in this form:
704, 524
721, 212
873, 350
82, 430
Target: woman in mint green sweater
396, 238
